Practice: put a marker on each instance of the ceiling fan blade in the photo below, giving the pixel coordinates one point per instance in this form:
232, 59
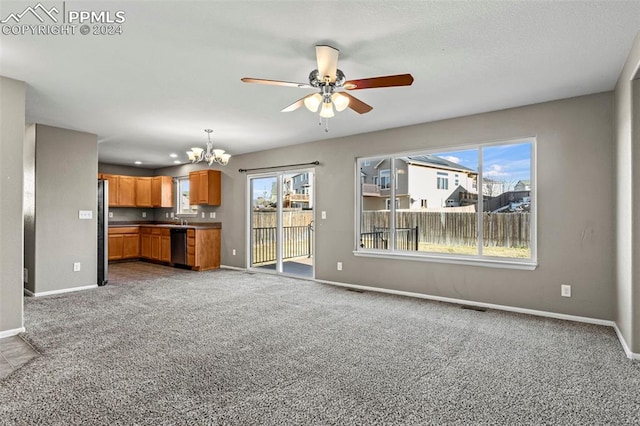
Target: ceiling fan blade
297, 104
327, 58
276, 82
384, 81
356, 104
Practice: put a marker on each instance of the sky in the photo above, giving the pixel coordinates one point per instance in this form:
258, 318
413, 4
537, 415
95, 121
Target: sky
503, 163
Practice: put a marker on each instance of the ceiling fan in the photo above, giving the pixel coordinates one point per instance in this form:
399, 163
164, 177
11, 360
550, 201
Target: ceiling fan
328, 78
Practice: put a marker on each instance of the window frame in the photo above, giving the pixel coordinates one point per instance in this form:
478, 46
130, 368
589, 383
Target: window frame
193, 208
461, 259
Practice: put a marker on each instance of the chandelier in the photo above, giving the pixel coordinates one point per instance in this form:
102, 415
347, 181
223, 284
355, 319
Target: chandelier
210, 156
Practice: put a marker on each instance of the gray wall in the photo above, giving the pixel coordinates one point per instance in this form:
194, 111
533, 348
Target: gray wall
575, 227
12, 111
65, 182
627, 141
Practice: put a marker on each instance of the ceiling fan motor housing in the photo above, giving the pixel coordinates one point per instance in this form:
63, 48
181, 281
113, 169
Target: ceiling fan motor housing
316, 81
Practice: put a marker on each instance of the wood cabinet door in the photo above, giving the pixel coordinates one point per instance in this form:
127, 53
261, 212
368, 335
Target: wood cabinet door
165, 248
126, 191
155, 247
131, 246
143, 191
145, 246
194, 187
113, 189
116, 247
162, 191
214, 187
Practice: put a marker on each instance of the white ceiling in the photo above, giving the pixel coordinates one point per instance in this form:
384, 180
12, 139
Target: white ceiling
176, 68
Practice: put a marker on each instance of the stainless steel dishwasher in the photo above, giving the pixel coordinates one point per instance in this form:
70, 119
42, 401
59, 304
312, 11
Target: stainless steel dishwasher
179, 246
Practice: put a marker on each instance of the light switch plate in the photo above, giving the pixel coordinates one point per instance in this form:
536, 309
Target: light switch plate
144, 214
110, 215
85, 214
324, 214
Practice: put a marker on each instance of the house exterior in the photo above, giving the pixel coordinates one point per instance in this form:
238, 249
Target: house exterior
422, 182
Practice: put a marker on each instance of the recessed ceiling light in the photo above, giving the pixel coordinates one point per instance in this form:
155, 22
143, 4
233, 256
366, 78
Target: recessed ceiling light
177, 162
137, 162
173, 155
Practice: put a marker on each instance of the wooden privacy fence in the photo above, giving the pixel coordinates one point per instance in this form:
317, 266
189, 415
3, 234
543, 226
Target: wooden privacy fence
455, 228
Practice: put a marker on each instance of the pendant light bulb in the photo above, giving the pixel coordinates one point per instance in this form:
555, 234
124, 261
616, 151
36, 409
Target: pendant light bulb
340, 101
327, 110
313, 102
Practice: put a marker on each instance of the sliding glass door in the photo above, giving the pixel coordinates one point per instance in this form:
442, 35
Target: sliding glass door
280, 226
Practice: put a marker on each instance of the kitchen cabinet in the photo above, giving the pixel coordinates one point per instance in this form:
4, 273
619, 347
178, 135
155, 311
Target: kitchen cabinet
143, 191
124, 243
126, 191
113, 188
203, 248
162, 191
205, 187
156, 243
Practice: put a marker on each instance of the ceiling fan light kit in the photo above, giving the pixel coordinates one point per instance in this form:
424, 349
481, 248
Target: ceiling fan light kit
327, 77
211, 155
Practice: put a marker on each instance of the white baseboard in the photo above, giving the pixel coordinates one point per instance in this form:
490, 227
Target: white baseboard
9, 333
64, 290
235, 268
596, 321
627, 350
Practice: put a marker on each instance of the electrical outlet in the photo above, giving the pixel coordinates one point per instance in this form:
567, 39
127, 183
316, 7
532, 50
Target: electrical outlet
171, 215
110, 215
25, 275
76, 266
339, 266
203, 215
565, 290
324, 214
166, 215
233, 252
212, 215
144, 214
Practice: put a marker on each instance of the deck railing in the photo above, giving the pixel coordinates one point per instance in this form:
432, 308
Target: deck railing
406, 239
297, 241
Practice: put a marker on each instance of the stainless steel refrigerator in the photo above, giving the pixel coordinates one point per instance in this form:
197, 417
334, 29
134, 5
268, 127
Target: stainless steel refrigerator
103, 232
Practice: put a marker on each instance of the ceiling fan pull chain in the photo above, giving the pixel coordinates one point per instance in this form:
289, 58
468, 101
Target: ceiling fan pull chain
326, 125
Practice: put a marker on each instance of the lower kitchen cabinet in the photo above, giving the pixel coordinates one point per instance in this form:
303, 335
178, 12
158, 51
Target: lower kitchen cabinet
124, 243
153, 242
203, 248
156, 243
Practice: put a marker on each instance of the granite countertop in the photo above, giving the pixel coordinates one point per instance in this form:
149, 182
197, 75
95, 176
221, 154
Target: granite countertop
195, 225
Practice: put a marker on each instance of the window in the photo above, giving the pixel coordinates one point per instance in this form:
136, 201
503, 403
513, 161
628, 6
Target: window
443, 180
184, 207
490, 224
387, 203
385, 179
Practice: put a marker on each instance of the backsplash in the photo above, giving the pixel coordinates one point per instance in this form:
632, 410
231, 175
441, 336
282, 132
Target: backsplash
131, 214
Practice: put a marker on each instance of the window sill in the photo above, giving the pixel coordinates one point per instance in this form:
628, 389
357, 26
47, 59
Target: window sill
526, 265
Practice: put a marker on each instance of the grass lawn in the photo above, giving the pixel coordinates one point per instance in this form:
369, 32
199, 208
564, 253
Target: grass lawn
518, 252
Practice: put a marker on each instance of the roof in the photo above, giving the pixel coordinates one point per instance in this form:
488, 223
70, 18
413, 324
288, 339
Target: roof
431, 160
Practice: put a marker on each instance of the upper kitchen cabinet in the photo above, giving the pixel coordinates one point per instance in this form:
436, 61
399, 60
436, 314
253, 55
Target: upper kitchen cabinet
162, 191
205, 187
126, 191
143, 191
113, 188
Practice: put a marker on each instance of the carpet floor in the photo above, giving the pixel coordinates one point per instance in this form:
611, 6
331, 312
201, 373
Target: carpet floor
232, 348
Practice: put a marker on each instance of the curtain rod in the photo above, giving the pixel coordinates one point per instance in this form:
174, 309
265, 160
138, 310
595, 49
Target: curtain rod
314, 163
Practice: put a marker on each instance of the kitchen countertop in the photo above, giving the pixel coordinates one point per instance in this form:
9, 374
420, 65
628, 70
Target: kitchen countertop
196, 225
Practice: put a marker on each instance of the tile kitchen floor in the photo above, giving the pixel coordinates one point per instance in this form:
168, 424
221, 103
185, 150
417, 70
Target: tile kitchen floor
14, 353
